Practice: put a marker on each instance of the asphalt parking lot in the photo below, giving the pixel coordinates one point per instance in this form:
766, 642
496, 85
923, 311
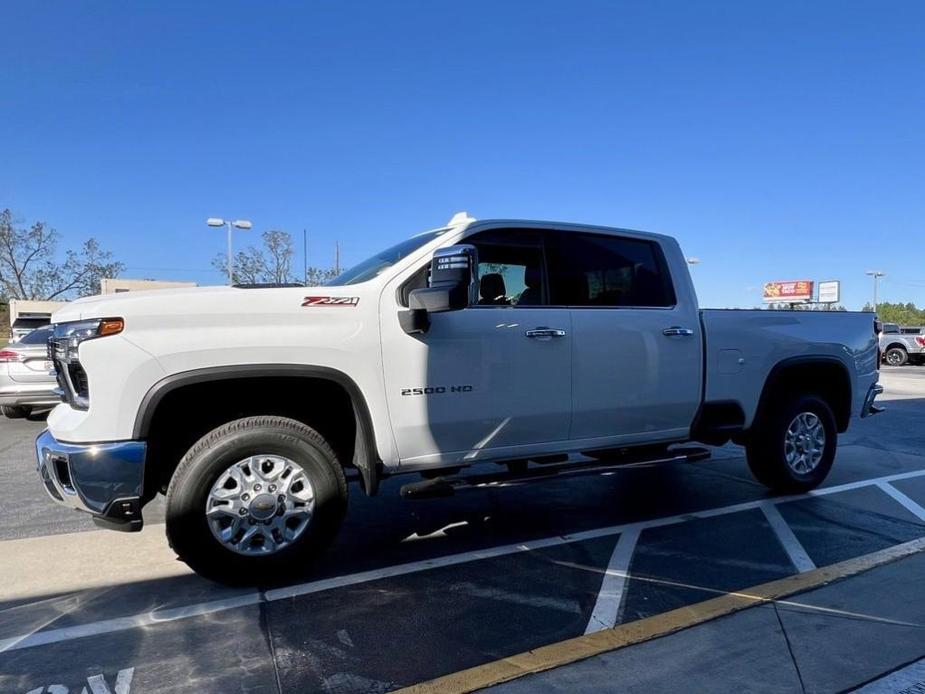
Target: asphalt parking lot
414, 590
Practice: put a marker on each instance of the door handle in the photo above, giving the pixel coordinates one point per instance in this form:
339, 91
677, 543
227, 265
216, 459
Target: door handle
545, 332
678, 331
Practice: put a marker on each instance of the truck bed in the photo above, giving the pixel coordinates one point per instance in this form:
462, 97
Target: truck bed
741, 347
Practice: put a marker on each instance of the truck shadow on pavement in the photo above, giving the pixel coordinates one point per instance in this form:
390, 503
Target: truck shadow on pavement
379, 630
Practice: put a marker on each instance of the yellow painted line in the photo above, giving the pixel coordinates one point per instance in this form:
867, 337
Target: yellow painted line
582, 647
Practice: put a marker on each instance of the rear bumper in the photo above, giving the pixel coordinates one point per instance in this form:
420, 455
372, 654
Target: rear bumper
870, 408
103, 479
35, 394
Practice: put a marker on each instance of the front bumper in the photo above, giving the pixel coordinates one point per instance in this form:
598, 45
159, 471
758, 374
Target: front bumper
103, 479
869, 407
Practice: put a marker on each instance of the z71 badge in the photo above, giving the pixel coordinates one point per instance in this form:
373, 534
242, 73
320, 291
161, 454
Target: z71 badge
331, 301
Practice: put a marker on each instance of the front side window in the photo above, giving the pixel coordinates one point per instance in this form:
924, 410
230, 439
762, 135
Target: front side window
601, 270
511, 268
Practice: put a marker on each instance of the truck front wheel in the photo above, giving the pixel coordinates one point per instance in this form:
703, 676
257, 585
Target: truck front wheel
255, 501
791, 447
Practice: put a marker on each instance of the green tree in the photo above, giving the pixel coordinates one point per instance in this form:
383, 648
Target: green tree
805, 307
271, 263
903, 314
30, 267
316, 276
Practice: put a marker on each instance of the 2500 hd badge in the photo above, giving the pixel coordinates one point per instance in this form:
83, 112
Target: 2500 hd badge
436, 390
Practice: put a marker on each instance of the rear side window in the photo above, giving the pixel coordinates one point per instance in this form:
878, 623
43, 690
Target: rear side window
599, 270
36, 337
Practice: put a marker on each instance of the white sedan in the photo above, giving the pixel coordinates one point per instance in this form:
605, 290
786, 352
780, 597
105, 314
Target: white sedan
26, 379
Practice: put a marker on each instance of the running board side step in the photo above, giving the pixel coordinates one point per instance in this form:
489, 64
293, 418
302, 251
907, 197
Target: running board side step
447, 486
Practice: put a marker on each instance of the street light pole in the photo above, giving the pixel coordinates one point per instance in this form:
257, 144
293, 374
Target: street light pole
230, 254
237, 224
876, 274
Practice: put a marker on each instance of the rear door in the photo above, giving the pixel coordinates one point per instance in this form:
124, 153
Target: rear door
636, 347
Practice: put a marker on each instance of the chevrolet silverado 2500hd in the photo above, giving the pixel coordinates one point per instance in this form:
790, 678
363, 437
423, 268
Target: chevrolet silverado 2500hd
513, 342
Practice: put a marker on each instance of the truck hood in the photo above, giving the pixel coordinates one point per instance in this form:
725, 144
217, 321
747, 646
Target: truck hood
118, 305
184, 304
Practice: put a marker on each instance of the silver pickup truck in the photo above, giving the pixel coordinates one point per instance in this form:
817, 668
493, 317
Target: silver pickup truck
902, 345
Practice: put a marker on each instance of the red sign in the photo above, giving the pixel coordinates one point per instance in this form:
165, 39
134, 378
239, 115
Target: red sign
787, 292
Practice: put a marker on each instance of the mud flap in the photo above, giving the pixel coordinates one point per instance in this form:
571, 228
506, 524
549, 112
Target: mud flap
364, 460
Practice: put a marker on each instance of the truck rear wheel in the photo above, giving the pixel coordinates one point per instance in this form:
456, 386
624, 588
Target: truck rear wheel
792, 446
255, 501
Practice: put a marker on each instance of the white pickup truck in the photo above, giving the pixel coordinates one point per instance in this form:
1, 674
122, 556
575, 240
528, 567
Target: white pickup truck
536, 346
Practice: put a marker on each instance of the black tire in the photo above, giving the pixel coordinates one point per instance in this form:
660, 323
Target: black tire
896, 356
765, 450
16, 411
188, 530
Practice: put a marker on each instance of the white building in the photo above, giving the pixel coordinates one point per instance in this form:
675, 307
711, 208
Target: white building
116, 285
27, 315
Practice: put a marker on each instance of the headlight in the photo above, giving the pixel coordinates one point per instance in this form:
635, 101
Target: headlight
68, 336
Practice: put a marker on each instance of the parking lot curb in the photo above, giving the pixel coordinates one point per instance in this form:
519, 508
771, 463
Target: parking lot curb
589, 645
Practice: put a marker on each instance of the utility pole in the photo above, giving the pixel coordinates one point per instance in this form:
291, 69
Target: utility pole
337, 258
304, 257
876, 274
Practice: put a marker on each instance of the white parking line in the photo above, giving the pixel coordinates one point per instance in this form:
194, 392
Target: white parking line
606, 610
907, 503
108, 626
798, 556
41, 638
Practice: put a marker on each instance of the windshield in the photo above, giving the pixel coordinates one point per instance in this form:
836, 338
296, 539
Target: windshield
372, 267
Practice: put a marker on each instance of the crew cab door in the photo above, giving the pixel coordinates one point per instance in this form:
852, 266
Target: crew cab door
490, 380
636, 339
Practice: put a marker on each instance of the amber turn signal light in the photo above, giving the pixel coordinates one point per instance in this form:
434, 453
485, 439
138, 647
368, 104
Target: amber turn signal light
110, 326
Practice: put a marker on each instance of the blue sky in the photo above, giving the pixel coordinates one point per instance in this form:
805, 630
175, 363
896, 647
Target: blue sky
776, 140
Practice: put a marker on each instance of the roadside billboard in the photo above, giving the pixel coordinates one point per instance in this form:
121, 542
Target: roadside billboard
829, 292
788, 292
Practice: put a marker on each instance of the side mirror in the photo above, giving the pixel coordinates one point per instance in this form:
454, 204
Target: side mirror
453, 285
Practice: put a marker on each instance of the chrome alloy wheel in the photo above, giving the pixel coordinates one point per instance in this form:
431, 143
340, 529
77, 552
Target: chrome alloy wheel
260, 505
804, 443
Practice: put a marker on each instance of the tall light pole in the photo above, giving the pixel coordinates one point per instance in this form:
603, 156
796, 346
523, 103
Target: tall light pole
876, 274
237, 224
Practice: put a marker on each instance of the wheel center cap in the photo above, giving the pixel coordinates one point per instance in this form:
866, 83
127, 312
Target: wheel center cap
263, 506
